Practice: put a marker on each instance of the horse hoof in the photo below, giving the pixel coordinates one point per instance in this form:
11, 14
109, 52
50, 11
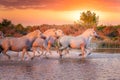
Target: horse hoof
60, 56
32, 58
46, 57
80, 54
89, 53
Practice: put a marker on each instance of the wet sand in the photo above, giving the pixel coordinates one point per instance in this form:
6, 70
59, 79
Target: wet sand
97, 66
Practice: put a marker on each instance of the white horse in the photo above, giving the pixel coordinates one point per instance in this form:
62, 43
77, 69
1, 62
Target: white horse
51, 36
23, 43
43, 45
81, 41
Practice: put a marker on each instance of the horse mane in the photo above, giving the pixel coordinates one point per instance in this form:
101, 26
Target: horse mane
50, 32
86, 31
31, 34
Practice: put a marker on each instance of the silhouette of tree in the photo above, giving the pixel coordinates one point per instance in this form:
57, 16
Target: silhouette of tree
19, 27
6, 23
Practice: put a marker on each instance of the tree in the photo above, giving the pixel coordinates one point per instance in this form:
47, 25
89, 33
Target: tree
89, 19
20, 28
6, 23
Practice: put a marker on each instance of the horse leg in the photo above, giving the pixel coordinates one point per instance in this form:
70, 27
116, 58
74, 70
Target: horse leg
45, 54
28, 54
23, 53
38, 51
67, 51
90, 50
62, 49
48, 48
82, 46
56, 48
42, 51
4, 52
33, 53
60, 53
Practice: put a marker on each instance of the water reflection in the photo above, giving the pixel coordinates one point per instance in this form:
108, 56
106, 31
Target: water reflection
27, 70
94, 67
78, 69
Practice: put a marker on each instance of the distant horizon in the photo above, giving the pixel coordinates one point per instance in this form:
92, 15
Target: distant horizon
38, 12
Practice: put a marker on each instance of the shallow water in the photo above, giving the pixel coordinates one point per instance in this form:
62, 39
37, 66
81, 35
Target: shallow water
96, 66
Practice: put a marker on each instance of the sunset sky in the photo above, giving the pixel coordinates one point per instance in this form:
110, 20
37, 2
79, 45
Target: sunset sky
37, 12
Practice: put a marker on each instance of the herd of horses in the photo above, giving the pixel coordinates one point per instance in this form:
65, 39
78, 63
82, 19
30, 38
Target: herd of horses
50, 38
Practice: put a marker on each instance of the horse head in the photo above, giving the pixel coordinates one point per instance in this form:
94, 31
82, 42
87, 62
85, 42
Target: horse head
91, 33
36, 33
59, 33
54, 33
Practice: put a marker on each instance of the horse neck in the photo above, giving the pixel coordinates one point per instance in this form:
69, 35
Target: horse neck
87, 37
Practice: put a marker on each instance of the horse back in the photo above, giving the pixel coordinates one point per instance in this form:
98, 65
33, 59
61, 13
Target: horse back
76, 42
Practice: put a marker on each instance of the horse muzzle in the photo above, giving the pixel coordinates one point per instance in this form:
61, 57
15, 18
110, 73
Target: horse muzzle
98, 37
43, 36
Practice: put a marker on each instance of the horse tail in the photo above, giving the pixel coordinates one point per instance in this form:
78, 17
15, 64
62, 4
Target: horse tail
1, 49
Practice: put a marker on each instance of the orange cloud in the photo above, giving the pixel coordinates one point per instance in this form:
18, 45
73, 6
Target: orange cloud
106, 5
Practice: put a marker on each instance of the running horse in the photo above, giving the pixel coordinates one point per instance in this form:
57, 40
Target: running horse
51, 37
23, 43
80, 42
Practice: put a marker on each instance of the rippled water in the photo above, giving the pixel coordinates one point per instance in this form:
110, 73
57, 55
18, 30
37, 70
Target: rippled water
97, 66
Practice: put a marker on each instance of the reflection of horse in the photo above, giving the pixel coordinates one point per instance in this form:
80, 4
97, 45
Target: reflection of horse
19, 44
80, 41
45, 44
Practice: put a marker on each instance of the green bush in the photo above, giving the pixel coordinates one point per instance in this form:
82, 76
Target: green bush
108, 44
100, 28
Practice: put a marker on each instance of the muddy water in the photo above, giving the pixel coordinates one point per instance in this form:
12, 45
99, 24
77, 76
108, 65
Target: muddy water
97, 66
